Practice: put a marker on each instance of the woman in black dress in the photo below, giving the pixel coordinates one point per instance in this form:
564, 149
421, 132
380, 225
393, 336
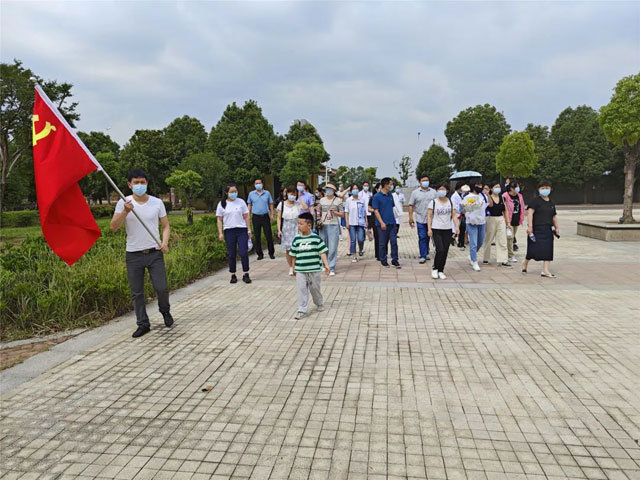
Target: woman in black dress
542, 225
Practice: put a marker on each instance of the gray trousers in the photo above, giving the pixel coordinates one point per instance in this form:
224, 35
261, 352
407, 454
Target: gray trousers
308, 282
153, 261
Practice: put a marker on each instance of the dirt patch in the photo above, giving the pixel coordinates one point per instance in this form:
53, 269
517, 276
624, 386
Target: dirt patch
14, 355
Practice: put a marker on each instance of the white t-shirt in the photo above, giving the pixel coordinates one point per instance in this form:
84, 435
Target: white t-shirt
397, 207
366, 196
233, 214
357, 210
441, 219
290, 212
150, 212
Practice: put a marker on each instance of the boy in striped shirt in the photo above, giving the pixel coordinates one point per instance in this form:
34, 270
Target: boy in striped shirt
310, 253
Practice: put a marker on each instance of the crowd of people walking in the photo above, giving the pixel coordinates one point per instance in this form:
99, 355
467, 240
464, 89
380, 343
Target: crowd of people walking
310, 227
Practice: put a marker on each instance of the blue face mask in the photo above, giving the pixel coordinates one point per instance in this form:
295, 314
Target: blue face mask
517, 189
259, 186
139, 190
441, 193
545, 192
425, 184
329, 191
355, 191
233, 195
292, 198
497, 190
300, 188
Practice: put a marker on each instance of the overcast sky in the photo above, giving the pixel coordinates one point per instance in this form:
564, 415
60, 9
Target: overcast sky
368, 75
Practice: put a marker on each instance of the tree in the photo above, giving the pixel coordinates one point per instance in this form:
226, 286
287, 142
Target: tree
313, 153
620, 122
295, 169
517, 157
106, 151
583, 152
147, 150
548, 166
243, 138
404, 168
435, 163
303, 131
184, 136
188, 185
475, 136
16, 108
370, 174
214, 172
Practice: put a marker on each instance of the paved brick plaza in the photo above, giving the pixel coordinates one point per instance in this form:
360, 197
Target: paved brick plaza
486, 375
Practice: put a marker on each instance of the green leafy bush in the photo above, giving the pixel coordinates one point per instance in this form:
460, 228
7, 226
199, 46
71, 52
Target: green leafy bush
101, 211
40, 294
20, 218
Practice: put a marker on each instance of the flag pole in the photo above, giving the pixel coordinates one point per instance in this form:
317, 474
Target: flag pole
55, 110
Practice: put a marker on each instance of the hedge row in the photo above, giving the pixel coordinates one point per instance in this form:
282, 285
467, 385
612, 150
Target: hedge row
30, 218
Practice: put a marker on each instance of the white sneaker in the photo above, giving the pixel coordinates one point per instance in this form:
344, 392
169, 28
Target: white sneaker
300, 315
332, 274
355, 260
476, 267
442, 276
291, 271
434, 274
470, 261
514, 259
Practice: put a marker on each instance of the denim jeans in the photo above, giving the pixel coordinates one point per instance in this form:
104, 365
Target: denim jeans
330, 235
388, 236
476, 239
423, 239
356, 232
237, 241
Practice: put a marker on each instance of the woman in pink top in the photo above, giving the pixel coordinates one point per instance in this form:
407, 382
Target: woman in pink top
515, 213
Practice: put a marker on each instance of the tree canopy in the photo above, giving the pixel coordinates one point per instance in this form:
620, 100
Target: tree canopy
475, 136
435, 163
517, 157
403, 166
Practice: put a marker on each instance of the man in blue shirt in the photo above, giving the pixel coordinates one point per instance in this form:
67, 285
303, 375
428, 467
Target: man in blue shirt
261, 209
382, 205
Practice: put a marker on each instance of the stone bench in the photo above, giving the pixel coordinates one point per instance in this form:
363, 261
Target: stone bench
610, 232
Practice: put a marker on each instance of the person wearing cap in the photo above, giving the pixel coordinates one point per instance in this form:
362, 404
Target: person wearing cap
330, 211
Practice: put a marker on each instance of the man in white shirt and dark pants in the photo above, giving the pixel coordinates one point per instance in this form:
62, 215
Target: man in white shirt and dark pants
142, 250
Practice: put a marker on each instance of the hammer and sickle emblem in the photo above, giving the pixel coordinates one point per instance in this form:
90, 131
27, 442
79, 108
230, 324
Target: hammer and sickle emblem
48, 128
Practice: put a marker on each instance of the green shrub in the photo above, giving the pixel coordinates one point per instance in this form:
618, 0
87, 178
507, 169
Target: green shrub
101, 211
40, 294
20, 218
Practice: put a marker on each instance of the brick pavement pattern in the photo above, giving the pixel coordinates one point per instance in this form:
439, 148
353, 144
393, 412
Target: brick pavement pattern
486, 375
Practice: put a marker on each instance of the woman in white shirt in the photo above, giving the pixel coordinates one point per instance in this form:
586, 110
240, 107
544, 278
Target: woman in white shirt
441, 215
397, 207
288, 212
356, 218
233, 228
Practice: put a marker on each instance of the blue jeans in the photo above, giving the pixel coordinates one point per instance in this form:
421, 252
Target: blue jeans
423, 239
476, 238
385, 237
237, 241
356, 232
330, 235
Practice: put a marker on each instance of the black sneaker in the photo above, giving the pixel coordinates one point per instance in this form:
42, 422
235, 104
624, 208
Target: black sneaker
396, 264
141, 331
384, 264
245, 278
260, 257
485, 262
234, 279
168, 319
361, 253
515, 247
272, 256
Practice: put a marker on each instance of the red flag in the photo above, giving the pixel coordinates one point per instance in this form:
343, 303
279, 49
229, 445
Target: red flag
60, 160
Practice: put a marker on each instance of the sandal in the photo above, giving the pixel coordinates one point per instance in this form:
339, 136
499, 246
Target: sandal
547, 275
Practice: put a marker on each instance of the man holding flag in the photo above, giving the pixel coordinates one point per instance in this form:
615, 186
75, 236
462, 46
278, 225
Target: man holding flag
143, 252
60, 160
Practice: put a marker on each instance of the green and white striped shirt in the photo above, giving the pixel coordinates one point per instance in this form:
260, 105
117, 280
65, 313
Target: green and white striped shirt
307, 251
